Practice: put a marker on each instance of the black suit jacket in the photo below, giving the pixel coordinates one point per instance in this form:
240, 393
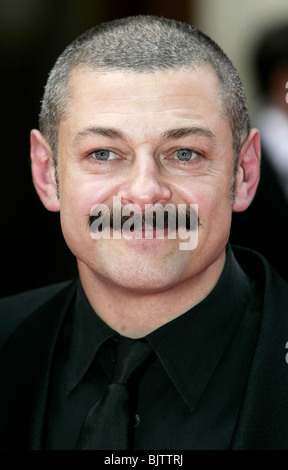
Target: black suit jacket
27, 358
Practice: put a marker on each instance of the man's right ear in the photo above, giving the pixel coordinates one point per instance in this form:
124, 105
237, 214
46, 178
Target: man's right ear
43, 171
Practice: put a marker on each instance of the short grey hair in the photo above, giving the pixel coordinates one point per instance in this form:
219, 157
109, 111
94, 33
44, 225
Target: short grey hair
144, 44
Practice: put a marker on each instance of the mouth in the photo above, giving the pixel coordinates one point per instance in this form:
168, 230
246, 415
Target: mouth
146, 225
156, 223
146, 233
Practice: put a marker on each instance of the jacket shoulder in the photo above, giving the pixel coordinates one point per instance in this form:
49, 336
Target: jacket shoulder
16, 308
272, 288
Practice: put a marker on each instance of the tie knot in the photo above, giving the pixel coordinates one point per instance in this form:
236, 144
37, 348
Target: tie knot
130, 356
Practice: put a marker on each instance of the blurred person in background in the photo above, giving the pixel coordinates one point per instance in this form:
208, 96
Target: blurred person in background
264, 226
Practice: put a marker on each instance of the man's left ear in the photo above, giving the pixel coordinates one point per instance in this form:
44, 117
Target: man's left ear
247, 177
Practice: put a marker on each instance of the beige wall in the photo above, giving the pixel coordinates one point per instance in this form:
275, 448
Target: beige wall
235, 25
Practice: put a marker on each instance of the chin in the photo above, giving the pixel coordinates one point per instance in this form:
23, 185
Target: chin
144, 286
145, 278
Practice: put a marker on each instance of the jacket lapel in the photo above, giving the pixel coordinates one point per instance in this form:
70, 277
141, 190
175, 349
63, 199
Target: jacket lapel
23, 393
263, 423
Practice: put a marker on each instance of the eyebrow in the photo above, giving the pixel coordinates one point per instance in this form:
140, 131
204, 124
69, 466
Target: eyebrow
187, 132
104, 131
177, 133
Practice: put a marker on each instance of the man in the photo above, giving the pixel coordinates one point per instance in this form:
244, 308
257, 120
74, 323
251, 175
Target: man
147, 112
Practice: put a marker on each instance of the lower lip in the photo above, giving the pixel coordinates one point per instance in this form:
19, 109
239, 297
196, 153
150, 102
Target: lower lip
145, 234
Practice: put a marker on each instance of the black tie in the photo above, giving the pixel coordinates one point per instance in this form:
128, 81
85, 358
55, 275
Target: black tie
110, 422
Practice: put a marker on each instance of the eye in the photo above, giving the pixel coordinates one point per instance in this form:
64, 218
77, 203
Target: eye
103, 155
186, 155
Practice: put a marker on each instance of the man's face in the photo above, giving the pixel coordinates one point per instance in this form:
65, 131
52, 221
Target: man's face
125, 135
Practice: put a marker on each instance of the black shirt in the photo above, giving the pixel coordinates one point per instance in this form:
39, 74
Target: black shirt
190, 395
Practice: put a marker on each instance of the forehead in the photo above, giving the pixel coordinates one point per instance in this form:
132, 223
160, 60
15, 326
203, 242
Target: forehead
159, 99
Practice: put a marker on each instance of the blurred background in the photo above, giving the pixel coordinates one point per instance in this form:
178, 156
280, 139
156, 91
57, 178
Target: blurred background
32, 35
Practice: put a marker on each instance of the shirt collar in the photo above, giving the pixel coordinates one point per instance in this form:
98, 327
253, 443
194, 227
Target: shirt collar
88, 334
190, 347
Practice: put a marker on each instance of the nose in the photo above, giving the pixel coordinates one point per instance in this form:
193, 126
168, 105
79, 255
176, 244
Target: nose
144, 185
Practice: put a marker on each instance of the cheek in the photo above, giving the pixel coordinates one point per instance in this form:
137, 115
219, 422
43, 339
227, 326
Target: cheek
75, 206
79, 195
207, 192
214, 203
216, 213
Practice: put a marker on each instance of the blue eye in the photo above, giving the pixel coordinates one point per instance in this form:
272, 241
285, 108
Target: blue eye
102, 155
184, 154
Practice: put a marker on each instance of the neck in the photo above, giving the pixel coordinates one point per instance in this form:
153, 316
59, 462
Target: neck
135, 313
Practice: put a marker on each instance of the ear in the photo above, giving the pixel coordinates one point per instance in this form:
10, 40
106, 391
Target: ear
248, 173
43, 171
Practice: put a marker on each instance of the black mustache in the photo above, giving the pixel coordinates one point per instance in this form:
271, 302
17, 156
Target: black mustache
187, 219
